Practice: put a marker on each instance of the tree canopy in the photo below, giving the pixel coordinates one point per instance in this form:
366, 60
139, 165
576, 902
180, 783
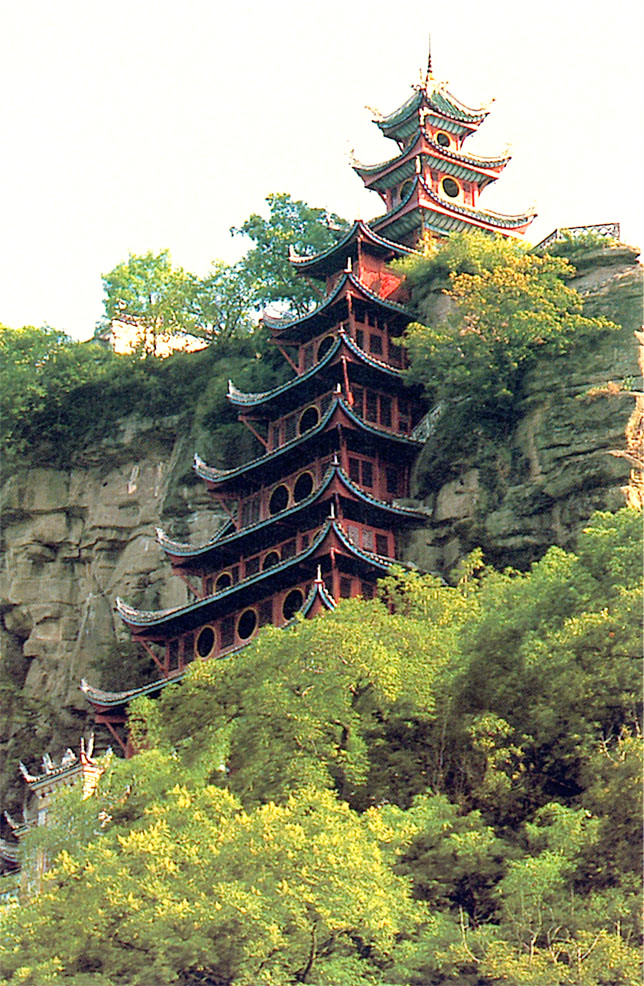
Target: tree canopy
439, 786
506, 305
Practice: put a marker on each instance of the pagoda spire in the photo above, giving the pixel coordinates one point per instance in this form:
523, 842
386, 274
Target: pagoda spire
429, 75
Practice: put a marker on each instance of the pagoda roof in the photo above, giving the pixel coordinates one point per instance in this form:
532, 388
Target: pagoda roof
329, 261
107, 699
481, 170
291, 453
423, 209
445, 109
347, 284
318, 598
343, 345
234, 540
163, 623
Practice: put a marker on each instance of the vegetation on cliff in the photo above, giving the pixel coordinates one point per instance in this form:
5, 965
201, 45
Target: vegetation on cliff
444, 793
508, 307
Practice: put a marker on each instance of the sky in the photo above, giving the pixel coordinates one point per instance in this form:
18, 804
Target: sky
147, 124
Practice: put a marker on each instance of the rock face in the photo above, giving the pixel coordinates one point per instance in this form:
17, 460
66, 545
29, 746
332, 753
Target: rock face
536, 485
73, 539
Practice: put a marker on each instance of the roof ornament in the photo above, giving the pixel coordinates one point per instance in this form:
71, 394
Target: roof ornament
429, 75
338, 388
332, 511
349, 267
318, 577
419, 164
335, 459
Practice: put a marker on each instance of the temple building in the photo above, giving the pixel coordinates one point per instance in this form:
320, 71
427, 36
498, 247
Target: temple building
315, 517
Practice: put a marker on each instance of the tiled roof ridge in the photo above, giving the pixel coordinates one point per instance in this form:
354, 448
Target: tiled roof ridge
484, 215
359, 226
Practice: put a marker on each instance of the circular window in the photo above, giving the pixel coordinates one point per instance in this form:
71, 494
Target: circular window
303, 486
292, 603
442, 139
450, 187
246, 625
223, 581
278, 500
309, 419
405, 188
205, 642
325, 346
272, 558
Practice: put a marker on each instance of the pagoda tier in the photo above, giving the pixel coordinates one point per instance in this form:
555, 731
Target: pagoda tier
110, 708
367, 253
342, 362
347, 306
425, 155
432, 185
231, 617
423, 210
262, 543
336, 428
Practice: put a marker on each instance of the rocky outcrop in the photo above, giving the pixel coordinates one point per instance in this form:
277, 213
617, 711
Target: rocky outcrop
73, 539
517, 492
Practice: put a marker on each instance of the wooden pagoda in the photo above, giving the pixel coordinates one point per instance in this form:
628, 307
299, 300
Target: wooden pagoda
314, 518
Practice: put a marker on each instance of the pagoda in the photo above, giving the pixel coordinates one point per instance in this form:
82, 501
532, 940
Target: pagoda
315, 517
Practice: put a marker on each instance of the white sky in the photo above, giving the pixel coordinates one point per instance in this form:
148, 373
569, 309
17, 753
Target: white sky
134, 125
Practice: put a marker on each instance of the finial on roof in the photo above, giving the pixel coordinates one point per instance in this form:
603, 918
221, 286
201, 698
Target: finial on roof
318, 577
430, 74
335, 459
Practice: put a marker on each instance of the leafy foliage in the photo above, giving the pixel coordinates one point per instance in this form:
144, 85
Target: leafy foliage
291, 224
438, 787
506, 306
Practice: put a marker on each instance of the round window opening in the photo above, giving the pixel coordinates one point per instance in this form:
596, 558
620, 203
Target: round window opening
223, 582
309, 419
272, 558
442, 139
205, 642
450, 187
325, 346
292, 603
246, 625
278, 500
303, 487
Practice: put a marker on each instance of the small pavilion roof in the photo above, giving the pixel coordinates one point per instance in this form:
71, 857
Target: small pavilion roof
338, 411
330, 260
342, 345
234, 540
348, 284
164, 623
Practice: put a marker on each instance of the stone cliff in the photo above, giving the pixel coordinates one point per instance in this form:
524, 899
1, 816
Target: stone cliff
74, 538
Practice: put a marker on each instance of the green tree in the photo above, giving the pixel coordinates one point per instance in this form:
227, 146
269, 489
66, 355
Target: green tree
506, 306
148, 292
291, 224
38, 368
192, 889
222, 303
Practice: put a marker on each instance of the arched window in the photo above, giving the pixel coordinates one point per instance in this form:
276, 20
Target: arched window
303, 486
278, 500
309, 419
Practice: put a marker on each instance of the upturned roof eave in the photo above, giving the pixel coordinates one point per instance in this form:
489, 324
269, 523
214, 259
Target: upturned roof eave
192, 615
344, 342
347, 283
326, 262
220, 477
179, 551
